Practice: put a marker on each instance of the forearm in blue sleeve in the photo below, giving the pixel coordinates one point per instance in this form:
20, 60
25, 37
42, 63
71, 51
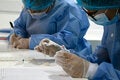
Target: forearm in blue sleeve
100, 55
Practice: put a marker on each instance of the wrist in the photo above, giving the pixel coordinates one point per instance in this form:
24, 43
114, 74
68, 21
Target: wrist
86, 67
91, 70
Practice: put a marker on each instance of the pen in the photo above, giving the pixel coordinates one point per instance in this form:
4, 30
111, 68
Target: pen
11, 24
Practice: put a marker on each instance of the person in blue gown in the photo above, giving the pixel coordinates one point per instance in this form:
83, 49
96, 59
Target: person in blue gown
107, 54
61, 21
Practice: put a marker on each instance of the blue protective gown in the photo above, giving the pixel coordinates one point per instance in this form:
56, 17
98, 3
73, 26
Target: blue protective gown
107, 55
106, 71
65, 24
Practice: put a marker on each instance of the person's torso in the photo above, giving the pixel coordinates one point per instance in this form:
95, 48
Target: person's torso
111, 40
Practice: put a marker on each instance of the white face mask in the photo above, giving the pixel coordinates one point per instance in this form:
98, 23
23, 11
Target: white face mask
102, 19
37, 15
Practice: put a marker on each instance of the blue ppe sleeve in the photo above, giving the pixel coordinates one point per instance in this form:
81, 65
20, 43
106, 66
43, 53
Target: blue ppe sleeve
106, 71
83, 49
19, 25
100, 55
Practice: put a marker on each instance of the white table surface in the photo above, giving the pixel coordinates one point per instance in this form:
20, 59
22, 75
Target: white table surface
29, 69
13, 70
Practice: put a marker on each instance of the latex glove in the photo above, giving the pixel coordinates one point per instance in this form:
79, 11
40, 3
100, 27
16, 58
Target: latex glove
48, 47
72, 64
22, 43
14, 38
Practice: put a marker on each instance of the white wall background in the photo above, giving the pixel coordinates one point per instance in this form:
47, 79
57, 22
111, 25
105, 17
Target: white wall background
9, 11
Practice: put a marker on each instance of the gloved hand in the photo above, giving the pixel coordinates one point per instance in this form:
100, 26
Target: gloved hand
14, 38
22, 43
19, 42
72, 64
48, 47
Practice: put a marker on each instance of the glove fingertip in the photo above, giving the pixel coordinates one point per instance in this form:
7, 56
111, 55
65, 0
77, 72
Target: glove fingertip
19, 47
35, 48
